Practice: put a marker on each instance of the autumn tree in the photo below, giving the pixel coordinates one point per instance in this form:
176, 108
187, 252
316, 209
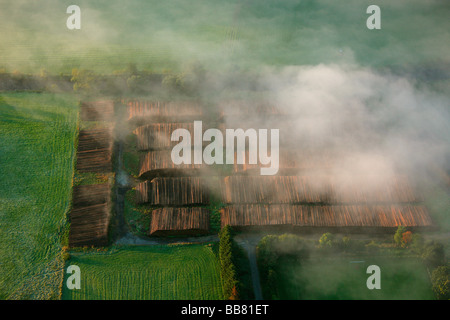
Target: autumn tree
406, 238
398, 236
234, 294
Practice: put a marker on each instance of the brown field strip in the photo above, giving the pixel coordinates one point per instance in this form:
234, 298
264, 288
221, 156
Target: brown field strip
97, 111
89, 217
326, 216
310, 189
172, 191
161, 161
157, 136
157, 111
94, 150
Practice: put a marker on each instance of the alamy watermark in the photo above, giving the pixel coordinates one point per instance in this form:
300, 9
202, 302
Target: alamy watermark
74, 20
374, 280
213, 153
74, 280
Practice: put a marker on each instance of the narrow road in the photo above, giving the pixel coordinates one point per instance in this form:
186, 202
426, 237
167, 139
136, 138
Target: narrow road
251, 252
248, 243
131, 239
121, 189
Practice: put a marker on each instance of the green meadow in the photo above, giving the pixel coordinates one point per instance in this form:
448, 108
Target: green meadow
37, 149
147, 273
344, 278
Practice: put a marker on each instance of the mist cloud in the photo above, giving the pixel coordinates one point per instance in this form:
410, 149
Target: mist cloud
221, 34
368, 127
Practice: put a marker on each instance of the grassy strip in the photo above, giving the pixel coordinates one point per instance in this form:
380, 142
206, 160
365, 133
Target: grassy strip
36, 160
138, 217
147, 273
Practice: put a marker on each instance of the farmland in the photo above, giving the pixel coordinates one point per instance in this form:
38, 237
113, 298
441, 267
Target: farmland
89, 218
362, 115
148, 273
94, 150
35, 191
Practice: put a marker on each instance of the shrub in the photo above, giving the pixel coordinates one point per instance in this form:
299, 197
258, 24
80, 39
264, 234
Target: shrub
406, 238
227, 268
173, 81
326, 240
440, 279
85, 81
66, 256
399, 235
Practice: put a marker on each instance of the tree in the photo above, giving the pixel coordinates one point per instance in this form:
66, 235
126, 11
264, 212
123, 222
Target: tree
83, 80
234, 294
173, 81
440, 279
326, 240
398, 235
406, 238
227, 268
133, 82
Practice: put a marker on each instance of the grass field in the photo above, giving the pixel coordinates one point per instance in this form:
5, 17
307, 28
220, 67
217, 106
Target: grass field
336, 278
37, 136
147, 273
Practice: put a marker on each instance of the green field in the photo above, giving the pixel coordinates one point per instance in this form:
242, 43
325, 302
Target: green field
340, 278
37, 137
147, 273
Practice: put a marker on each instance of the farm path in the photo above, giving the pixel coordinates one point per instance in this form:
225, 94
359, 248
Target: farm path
122, 187
249, 242
130, 239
